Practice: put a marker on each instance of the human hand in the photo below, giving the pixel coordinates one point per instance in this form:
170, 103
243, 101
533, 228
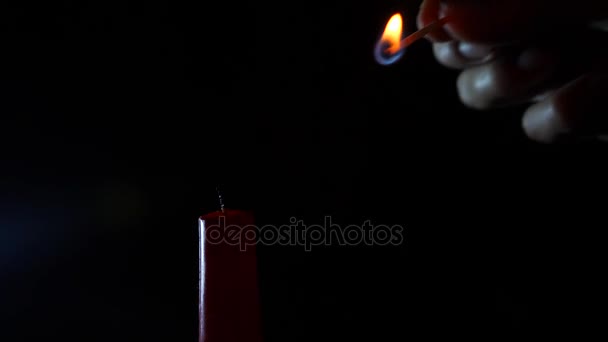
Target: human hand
549, 54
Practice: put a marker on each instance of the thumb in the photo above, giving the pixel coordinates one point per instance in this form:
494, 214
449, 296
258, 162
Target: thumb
504, 21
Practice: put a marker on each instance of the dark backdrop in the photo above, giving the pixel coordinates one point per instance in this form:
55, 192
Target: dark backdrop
118, 118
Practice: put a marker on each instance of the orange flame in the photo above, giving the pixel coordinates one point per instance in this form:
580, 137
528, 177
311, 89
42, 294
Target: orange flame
392, 34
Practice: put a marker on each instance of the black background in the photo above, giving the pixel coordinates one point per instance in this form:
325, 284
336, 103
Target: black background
118, 119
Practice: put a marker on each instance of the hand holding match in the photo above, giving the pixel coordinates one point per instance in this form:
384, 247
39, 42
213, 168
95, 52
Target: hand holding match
513, 52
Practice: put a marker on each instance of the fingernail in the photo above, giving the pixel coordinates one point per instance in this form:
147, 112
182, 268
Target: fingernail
535, 119
542, 123
443, 12
443, 9
474, 51
535, 59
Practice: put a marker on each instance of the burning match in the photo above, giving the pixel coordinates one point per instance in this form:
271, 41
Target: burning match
390, 46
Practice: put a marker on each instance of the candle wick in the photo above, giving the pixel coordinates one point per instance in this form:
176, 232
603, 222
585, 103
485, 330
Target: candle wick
220, 197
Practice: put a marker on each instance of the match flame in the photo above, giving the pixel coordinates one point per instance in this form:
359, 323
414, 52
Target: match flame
388, 48
392, 33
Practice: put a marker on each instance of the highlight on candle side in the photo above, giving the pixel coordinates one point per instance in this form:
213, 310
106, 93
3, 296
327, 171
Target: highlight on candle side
388, 49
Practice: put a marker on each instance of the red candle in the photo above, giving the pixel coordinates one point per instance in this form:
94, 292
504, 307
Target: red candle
229, 308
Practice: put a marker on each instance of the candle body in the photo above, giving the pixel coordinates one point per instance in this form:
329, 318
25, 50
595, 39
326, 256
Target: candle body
229, 308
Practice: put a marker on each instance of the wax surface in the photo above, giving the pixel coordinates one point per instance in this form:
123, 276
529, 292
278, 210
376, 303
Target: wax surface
229, 308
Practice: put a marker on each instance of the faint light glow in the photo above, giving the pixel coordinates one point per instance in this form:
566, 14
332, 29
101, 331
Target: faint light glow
388, 48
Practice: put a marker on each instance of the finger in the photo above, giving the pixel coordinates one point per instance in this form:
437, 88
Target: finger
459, 55
506, 81
429, 13
579, 108
500, 21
